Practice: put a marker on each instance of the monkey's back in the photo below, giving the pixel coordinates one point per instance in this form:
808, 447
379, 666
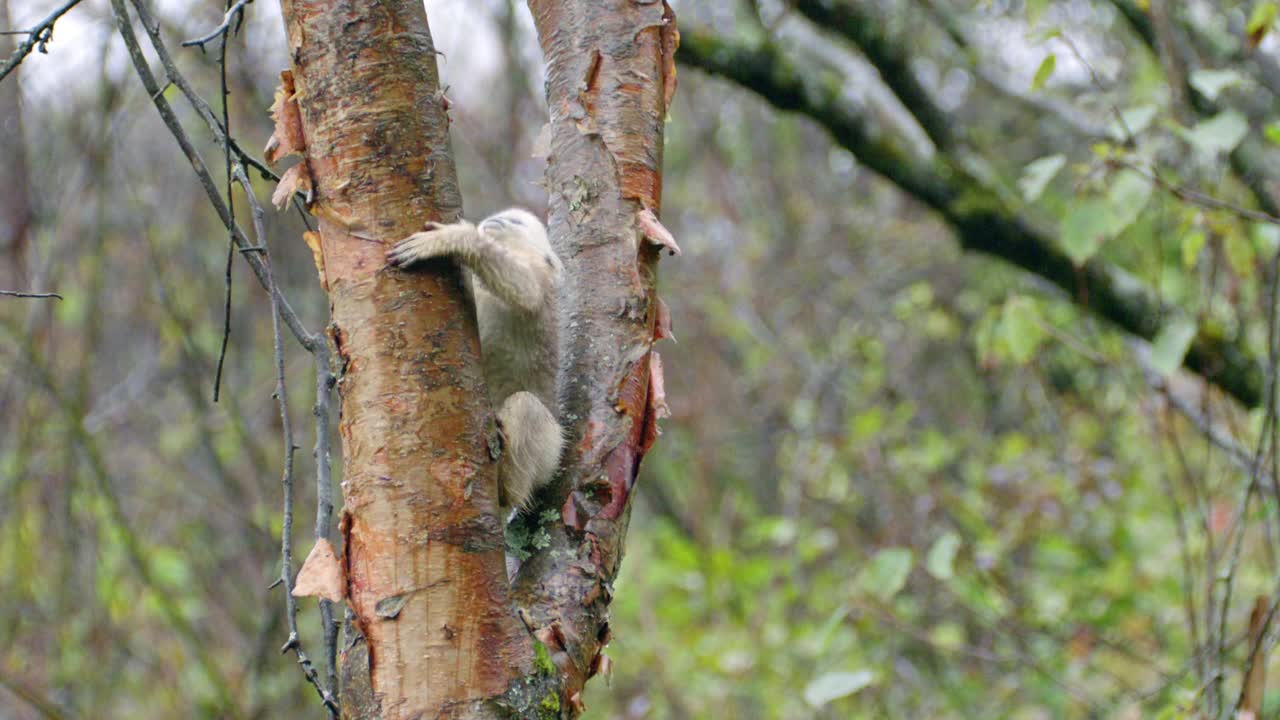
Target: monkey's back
520, 349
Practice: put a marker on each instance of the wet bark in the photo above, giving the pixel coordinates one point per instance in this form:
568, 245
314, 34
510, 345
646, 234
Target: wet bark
431, 630
610, 76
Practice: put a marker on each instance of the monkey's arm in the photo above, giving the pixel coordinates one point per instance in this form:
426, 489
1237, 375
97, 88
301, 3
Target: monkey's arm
521, 277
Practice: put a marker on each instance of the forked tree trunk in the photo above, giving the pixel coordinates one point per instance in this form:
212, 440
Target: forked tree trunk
435, 632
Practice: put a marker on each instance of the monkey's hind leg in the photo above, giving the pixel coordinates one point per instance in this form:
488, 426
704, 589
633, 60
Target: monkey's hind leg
531, 444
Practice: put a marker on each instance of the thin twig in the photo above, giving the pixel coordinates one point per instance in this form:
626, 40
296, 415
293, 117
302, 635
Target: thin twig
231, 209
1129, 139
258, 260
1042, 104
20, 294
39, 36
324, 499
1268, 433
222, 28
1219, 438
1195, 197
282, 399
256, 264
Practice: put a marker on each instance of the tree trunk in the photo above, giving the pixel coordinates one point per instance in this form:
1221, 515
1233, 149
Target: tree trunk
431, 632
610, 76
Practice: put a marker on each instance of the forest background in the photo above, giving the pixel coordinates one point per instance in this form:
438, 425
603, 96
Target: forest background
970, 409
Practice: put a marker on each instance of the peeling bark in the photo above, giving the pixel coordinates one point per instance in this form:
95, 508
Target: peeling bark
610, 76
430, 632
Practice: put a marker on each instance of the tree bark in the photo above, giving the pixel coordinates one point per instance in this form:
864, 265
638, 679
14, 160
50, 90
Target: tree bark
431, 632
610, 77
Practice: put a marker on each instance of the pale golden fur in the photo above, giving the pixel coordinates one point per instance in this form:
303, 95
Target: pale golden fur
517, 273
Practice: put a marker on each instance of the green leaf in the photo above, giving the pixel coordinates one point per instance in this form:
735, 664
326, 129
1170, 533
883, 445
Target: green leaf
866, 425
1219, 134
1136, 119
1170, 345
1240, 253
1272, 132
940, 562
1127, 196
948, 636
1022, 328
1211, 83
1044, 72
1260, 21
887, 573
1266, 238
1037, 174
835, 685
985, 333
1084, 228
1192, 244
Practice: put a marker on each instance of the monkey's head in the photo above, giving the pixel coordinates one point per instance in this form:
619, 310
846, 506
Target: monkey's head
519, 228
516, 226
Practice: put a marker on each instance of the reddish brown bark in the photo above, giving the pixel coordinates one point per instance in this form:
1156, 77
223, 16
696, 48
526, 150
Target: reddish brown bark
609, 80
424, 549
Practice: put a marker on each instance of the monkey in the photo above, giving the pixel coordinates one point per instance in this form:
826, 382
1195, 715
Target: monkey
513, 274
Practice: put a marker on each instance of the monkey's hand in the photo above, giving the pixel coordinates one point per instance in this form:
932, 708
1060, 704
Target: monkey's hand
531, 444
436, 240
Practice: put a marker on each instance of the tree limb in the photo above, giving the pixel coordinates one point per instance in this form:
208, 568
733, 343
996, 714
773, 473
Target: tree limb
38, 36
852, 21
977, 214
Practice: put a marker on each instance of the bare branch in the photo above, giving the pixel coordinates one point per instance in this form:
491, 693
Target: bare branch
1044, 105
38, 37
20, 294
982, 220
294, 643
235, 12
1195, 197
154, 90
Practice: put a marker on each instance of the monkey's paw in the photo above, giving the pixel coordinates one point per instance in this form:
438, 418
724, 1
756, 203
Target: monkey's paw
417, 247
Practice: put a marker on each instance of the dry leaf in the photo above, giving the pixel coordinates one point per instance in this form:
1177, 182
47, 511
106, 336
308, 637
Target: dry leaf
312, 239
321, 575
655, 232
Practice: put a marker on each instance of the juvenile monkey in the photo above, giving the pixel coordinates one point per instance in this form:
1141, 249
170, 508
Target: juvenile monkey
516, 310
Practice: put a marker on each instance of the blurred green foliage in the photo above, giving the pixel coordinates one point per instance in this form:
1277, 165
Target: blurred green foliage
899, 481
